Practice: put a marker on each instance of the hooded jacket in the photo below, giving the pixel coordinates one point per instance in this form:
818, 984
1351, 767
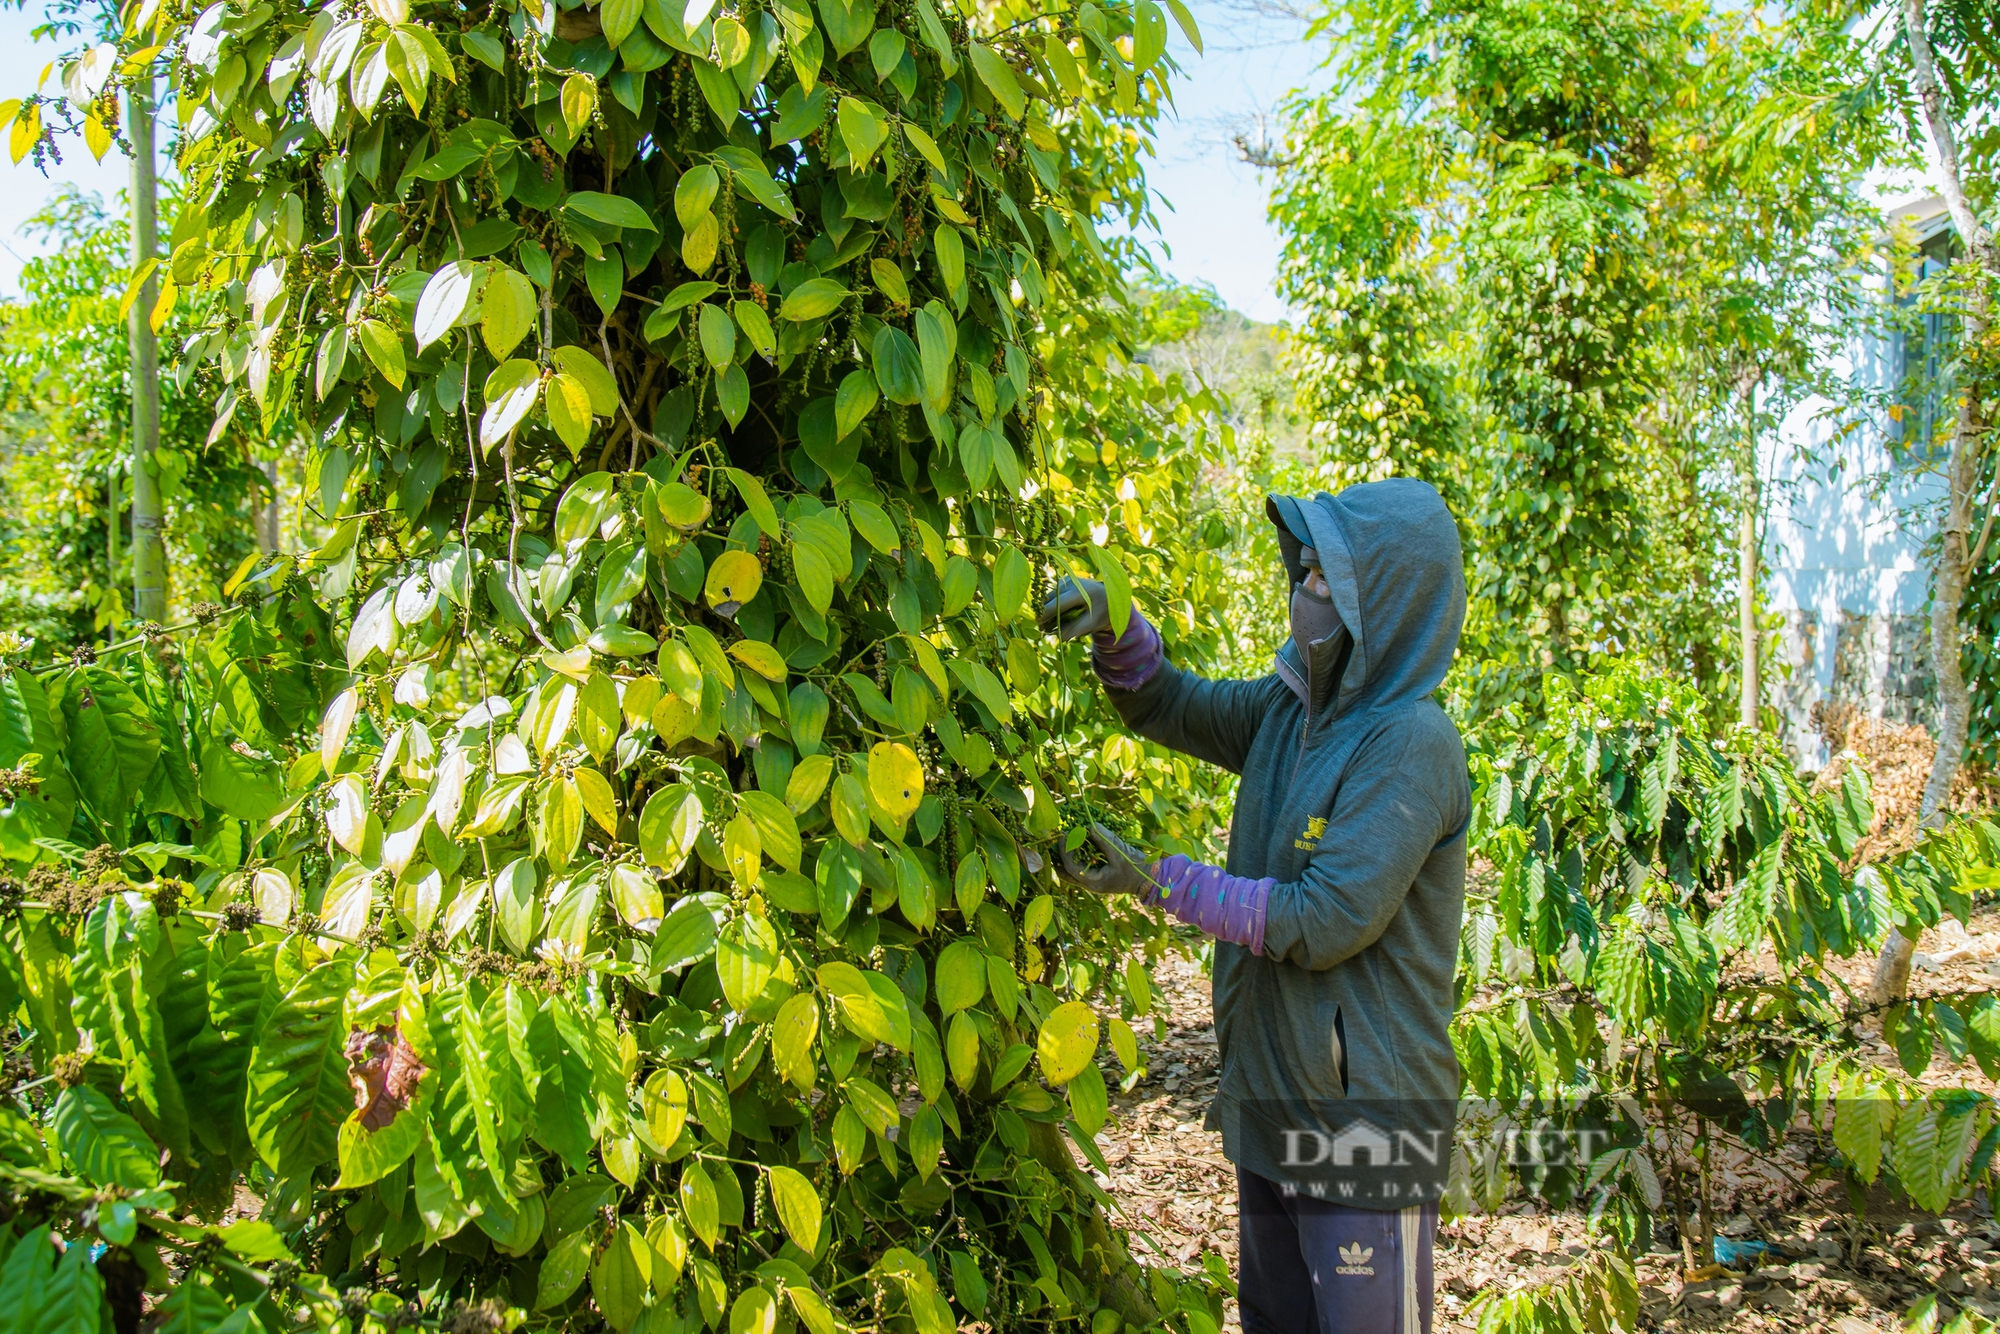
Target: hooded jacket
1354, 799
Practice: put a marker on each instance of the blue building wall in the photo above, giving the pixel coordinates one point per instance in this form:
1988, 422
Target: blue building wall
1849, 516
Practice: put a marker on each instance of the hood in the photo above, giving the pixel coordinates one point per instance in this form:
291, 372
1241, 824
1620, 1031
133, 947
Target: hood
1390, 554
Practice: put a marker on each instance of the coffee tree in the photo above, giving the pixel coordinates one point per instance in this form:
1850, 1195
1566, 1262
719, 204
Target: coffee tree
1648, 963
605, 882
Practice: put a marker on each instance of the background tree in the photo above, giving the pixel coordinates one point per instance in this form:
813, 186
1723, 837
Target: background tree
65, 376
88, 108
1769, 231
1540, 254
1963, 33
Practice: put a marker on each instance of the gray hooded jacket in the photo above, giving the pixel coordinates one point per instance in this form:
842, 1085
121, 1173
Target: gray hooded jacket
1355, 799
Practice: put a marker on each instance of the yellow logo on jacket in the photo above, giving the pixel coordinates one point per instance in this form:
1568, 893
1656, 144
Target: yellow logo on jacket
1315, 830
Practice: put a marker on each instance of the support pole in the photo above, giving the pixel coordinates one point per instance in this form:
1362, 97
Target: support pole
149, 557
1750, 502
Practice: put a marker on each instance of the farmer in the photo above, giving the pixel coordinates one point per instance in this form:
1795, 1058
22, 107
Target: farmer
1337, 916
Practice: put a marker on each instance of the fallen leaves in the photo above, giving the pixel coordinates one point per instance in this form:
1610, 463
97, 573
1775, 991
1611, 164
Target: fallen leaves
1176, 1194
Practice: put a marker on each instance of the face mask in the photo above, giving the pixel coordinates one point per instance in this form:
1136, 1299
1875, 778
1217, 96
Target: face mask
1313, 618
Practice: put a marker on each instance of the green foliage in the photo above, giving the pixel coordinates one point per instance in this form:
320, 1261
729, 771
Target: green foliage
65, 392
1597, 1296
1981, 664
1968, 70
1926, 1317
1188, 330
608, 878
1615, 968
1536, 248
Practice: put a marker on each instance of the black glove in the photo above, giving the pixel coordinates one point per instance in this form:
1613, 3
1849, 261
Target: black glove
1126, 870
1078, 606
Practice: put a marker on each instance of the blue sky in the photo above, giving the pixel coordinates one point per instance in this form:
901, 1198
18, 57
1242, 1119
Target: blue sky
1212, 218
23, 190
1211, 215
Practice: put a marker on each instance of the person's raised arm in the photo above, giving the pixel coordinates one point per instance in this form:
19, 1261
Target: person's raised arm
1214, 721
1385, 823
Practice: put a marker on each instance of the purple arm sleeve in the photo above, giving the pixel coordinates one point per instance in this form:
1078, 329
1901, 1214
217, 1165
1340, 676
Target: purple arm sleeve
1226, 906
1128, 661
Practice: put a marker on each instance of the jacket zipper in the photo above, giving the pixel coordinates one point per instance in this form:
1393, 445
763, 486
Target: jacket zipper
1305, 728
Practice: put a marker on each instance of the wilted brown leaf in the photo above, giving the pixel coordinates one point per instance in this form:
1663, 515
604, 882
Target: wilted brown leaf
384, 1070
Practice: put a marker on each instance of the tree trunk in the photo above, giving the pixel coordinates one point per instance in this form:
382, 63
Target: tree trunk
1892, 969
268, 514
149, 557
111, 533
1747, 557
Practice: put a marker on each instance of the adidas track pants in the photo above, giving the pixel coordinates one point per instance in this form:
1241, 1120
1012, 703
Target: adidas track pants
1308, 1266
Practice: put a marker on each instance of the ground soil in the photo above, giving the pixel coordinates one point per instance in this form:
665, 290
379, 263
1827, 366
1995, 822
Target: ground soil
1177, 1195
1827, 1267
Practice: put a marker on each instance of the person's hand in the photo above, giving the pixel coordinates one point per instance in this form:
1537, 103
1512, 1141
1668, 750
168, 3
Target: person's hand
1125, 869
1078, 607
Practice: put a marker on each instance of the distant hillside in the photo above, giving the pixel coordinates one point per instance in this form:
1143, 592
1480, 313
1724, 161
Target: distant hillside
1196, 334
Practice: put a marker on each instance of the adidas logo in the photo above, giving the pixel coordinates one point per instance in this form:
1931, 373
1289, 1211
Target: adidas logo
1354, 1260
